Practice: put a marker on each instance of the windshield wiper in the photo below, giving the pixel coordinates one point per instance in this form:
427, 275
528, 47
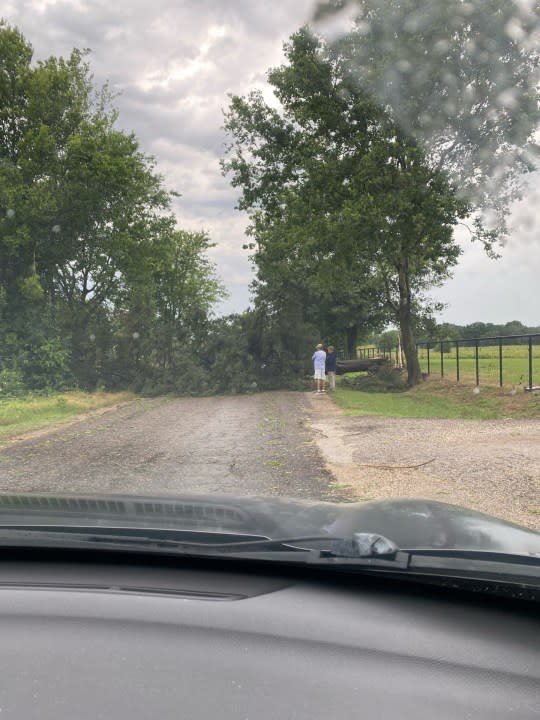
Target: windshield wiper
485, 571
361, 549
187, 540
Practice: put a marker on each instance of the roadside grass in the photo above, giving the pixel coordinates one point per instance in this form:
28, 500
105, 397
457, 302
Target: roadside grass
515, 364
32, 412
440, 398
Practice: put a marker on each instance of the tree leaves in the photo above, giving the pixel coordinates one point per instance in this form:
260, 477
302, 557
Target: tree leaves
88, 245
347, 213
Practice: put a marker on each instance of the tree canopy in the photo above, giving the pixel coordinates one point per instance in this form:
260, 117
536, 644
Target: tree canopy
346, 211
97, 284
462, 79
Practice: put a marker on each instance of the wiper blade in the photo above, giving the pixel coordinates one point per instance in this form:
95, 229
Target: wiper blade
362, 550
360, 546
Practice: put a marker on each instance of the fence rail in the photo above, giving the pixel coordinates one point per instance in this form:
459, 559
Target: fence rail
503, 360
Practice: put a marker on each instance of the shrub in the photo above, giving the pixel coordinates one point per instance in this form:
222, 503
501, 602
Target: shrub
11, 384
386, 379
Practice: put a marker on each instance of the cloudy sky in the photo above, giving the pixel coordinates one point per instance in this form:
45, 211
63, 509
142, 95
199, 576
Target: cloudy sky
175, 61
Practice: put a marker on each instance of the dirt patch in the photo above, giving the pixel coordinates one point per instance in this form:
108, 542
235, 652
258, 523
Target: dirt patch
492, 466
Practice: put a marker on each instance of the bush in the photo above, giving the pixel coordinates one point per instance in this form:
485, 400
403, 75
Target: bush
46, 367
386, 379
11, 384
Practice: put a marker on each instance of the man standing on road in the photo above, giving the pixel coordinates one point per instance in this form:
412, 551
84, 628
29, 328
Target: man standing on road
331, 362
319, 364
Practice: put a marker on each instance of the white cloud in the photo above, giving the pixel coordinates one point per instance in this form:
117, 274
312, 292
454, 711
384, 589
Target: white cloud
499, 290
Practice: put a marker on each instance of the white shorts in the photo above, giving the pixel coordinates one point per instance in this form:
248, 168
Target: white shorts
319, 374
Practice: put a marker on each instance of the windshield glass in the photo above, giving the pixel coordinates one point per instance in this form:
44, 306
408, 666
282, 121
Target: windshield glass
285, 251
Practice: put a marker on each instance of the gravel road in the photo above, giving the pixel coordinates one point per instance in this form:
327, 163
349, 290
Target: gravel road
284, 443
491, 466
255, 444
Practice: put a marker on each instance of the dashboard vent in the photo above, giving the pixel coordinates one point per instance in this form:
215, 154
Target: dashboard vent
62, 504
192, 513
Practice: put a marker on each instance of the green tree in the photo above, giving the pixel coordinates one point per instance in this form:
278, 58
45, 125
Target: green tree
88, 245
338, 195
165, 316
462, 79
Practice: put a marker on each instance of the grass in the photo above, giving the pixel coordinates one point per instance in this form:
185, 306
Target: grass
34, 412
515, 364
441, 398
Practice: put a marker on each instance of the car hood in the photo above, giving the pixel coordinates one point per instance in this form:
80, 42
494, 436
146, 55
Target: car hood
409, 522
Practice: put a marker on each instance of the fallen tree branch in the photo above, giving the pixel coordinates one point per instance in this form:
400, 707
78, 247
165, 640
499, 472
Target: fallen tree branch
395, 467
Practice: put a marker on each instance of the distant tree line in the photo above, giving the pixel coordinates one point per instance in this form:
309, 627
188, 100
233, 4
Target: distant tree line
438, 332
450, 331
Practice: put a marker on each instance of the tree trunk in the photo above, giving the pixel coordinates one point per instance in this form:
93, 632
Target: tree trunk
352, 340
414, 374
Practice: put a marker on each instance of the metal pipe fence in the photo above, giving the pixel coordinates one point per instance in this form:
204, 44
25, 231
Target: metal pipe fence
380, 351
500, 360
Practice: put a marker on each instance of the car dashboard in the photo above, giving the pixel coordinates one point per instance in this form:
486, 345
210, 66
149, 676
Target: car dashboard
119, 638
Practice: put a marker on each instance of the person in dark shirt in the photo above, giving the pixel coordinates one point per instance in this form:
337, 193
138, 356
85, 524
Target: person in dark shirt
331, 360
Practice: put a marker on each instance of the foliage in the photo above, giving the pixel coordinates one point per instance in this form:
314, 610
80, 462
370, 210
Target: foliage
97, 284
11, 383
344, 207
462, 79
387, 379
252, 351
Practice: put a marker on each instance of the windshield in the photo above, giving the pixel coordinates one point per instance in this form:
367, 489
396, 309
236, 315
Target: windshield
285, 251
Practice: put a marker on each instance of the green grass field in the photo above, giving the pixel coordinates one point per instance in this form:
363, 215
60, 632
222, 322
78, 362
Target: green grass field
441, 399
33, 412
515, 364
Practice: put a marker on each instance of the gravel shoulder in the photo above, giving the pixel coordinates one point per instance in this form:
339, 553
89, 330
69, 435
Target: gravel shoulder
492, 466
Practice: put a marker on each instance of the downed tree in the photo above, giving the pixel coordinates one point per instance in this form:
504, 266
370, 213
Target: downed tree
369, 365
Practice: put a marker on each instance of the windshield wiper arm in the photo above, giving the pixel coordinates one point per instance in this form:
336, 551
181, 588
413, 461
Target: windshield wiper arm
361, 545
362, 550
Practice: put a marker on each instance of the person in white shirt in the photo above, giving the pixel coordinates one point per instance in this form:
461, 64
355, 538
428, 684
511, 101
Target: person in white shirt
319, 364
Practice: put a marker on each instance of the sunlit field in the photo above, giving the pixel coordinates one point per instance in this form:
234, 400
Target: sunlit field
515, 364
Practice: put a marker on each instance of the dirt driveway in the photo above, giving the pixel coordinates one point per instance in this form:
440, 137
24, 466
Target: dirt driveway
491, 466
284, 443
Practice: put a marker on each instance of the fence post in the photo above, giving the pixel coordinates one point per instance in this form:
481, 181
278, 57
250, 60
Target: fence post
457, 360
442, 360
500, 363
476, 362
428, 363
530, 363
